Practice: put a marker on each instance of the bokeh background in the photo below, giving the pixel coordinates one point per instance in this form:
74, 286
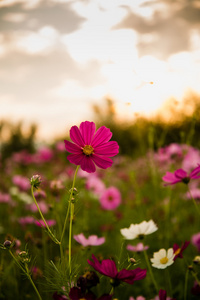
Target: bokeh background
62, 62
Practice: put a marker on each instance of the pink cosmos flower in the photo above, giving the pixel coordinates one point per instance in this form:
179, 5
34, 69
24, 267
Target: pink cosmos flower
77, 294
137, 298
92, 240
138, 248
110, 199
90, 147
95, 184
5, 198
108, 268
26, 220
181, 176
196, 240
179, 250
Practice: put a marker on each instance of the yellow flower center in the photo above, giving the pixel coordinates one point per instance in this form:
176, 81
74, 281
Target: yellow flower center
177, 251
164, 260
88, 150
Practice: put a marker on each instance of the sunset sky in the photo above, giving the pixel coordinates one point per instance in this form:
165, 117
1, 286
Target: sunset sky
58, 57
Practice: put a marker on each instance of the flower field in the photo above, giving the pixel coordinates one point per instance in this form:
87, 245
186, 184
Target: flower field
79, 220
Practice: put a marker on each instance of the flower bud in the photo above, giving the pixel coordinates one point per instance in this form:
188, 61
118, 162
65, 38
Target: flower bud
23, 256
74, 193
35, 181
196, 260
132, 260
7, 244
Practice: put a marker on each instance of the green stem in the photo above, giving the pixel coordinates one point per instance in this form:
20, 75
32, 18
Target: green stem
186, 284
167, 277
112, 291
150, 271
52, 236
31, 281
70, 211
195, 204
26, 271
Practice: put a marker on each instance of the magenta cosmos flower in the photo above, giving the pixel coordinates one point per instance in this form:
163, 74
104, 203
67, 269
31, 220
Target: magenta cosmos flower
92, 240
178, 251
108, 268
90, 148
181, 176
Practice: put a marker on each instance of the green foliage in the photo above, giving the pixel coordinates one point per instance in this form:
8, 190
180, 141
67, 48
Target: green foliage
13, 139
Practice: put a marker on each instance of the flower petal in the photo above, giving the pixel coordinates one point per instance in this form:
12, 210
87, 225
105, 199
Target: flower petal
107, 267
102, 162
102, 136
72, 148
87, 130
76, 136
180, 173
75, 158
108, 149
129, 276
87, 164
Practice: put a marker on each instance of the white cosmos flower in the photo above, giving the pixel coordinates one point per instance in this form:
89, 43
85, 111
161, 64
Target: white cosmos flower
139, 230
162, 259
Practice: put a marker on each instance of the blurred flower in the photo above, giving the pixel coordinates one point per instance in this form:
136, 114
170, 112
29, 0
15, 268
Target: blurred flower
45, 154
195, 240
194, 193
162, 259
40, 223
90, 148
60, 146
163, 296
195, 290
26, 220
56, 186
42, 205
191, 159
108, 268
138, 248
139, 230
5, 198
40, 194
95, 184
179, 250
110, 198
88, 280
181, 176
22, 182
92, 240
137, 298
76, 294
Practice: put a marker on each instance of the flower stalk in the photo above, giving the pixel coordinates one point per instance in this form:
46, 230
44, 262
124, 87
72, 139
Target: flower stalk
52, 236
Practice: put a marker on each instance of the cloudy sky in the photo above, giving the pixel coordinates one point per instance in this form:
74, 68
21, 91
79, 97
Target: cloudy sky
58, 57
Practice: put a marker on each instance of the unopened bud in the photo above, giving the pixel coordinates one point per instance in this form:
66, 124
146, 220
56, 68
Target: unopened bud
74, 192
7, 244
132, 260
196, 260
23, 255
35, 181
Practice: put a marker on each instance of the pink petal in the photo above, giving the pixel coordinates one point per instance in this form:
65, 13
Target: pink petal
87, 164
102, 162
109, 149
72, 148
102, 136
80, 238
170, 178
195, 172
93, 240
180, 173
87, 130
75, 158
76, 136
